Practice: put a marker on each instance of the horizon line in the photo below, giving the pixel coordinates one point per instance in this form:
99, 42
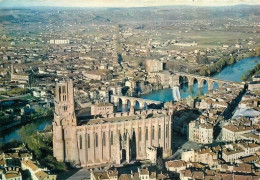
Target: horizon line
123, 7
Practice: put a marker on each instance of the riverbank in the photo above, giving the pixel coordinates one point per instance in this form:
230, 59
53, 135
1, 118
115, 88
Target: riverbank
237, 70
21, 122
223, 62
229, 73
251, 73
12, 133
150, 90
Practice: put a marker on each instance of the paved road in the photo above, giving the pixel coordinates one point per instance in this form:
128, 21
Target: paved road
80, 175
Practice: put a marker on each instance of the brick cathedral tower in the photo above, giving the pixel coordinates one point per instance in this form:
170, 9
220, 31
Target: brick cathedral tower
65, 124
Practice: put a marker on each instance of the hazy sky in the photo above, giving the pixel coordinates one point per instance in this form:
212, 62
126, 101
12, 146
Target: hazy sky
122, 3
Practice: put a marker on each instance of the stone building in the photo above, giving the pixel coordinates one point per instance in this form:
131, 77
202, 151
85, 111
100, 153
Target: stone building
163, 77
100, 75
176, 165
235, 151
102, 109
11, 173
200, 132
153, 65
254, 86
36, 172
140, 174
20, 77
206, 155
117, 138
232, 132
59, 41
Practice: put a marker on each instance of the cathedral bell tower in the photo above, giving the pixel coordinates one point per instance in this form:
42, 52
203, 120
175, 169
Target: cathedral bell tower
65, 124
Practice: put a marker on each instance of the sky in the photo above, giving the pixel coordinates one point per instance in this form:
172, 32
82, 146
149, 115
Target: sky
122, 3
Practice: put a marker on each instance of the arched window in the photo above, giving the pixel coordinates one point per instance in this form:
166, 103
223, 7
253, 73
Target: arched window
104, 139
111, 138
80, 142
96, 140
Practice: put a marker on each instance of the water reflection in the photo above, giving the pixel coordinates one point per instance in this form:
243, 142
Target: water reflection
12, 133
230, 73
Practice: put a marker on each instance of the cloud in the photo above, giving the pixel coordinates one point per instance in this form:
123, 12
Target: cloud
123, 3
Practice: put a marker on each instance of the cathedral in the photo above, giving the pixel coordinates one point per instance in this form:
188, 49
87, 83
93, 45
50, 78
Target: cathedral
115, 138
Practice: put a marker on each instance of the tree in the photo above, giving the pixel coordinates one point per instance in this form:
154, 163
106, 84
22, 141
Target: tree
257, 51
231, 60
27, 131
202, 59
41, 146
203, 71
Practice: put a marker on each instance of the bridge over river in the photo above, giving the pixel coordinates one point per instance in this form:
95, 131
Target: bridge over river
191, 78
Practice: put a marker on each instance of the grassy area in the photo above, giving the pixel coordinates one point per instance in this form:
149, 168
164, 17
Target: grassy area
14, 92
29, 97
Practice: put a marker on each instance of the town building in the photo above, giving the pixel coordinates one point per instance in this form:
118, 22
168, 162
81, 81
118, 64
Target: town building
102, 109
153, 65
200, 132
36, 172
12, 173
142, 173
98, 75
234, 132
59, 41
23, 78
254, 85
176, 165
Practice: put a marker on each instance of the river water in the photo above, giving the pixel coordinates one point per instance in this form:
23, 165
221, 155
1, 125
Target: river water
12, 133
230, 73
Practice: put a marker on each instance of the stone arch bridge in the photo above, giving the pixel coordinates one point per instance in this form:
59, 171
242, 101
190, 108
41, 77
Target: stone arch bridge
201, 79
116, 98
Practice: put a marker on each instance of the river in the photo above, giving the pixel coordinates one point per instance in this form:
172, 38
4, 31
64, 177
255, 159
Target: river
12, 133
230, 73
